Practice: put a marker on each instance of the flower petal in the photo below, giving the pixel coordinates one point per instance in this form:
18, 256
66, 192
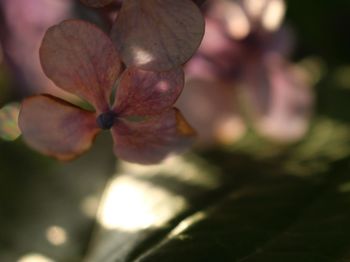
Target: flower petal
97, 3
150, 141
212, 109
55, 127
218, 57
22, 27
158, 34
287, 99
78, 57
142, 93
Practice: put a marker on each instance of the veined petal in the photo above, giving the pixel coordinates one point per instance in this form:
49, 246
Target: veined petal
142, 93
150, 141
80, 58
158, 34
55, 127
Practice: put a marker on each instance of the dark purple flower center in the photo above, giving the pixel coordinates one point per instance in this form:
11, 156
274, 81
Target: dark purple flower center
106, 120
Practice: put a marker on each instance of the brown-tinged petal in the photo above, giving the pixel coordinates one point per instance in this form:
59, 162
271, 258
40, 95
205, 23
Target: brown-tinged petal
158, 34
55, 127
97, 3
212, 109
78, 57
142, 93
150, 141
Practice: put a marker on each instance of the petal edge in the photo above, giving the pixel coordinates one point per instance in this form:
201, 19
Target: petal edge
81, 59
152, 140
143, 93
55, 127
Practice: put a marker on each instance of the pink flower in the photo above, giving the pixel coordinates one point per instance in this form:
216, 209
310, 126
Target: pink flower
22, 29
79, 58
244, 55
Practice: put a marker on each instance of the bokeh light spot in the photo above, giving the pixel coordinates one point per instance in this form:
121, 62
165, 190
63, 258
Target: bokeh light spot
132, 205
56, 235
34, 257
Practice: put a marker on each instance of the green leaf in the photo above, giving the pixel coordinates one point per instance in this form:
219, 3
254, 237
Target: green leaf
47, 207
244, 211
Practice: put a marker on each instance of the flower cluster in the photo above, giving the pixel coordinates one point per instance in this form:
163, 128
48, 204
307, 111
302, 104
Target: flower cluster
241, 71
151, 39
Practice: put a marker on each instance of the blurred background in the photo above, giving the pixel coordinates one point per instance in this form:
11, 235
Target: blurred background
268, 92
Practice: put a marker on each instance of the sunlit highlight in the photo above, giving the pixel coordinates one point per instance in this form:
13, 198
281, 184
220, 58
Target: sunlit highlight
237, 22
184, 171
185, 224
34, 257
131, 205
163, 86
140, 56
273, 15
255, 7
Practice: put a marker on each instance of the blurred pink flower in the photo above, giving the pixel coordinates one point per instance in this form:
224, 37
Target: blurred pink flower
243, 61
22, 29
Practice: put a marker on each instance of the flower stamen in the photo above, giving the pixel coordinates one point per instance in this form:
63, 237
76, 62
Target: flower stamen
106, 120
